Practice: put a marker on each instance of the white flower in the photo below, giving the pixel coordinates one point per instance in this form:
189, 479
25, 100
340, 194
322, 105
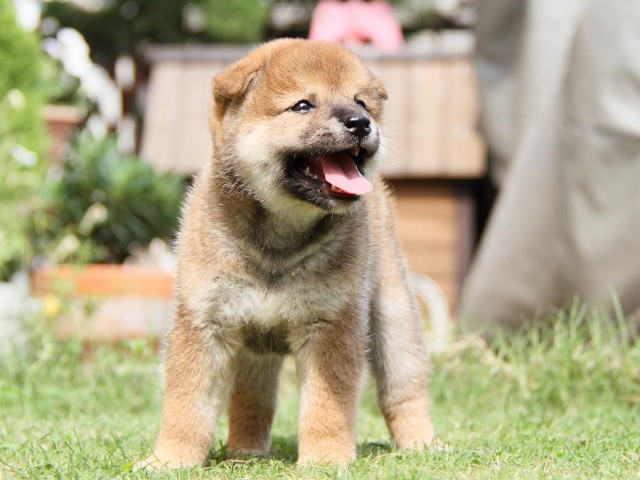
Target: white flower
28, 13
92, 5
125, 72
67, 247
55, 173
16, 99
72, 50
97, 126
447, 7
100, 89
96, 214
193, 18
127, 135
53, 48
24, 156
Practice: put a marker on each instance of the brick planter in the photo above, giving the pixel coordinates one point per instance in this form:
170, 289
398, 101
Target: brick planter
106, 302
62, 122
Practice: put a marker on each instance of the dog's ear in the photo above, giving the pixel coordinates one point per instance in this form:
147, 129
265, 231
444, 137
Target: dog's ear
234, 82
379, 87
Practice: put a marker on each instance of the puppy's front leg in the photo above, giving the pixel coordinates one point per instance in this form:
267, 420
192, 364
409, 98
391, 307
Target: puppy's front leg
199, 373
401, 367
329, 366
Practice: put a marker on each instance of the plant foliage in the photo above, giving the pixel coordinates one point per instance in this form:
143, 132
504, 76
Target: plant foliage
105, 204
122, 26
22, 137
22, 61
236, 21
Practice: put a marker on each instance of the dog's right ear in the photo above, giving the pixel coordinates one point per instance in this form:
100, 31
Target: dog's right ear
233, 83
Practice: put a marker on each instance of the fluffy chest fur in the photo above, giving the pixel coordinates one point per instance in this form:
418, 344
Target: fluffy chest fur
250, 273
235, 302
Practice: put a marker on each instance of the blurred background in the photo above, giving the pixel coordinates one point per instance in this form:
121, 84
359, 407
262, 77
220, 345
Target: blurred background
104, 121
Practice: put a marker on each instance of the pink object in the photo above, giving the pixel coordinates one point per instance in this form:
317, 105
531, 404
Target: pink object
341, 172
355, 21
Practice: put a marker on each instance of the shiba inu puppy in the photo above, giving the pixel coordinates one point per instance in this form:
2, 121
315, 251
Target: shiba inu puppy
287, 246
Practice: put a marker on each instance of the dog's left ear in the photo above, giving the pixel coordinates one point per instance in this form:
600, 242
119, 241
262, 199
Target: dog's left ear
378, 86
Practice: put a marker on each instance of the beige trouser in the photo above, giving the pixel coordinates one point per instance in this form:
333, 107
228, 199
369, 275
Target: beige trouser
560, 86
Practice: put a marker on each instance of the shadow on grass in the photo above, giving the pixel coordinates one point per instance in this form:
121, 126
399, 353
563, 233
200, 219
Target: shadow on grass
372, 449
285, 449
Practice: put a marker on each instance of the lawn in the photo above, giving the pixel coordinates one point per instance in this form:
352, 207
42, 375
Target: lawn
560, 402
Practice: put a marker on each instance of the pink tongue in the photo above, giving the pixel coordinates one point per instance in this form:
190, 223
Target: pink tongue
341, 172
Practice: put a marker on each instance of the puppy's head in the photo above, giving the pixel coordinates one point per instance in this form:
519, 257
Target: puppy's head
298, 121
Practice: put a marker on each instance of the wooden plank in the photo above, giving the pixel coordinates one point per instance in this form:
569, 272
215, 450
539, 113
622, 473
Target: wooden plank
177, 135
424, 126
430, 116
463, 146
162, 115
195, 137
393, 76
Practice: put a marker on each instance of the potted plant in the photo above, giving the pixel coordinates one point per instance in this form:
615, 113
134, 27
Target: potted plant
66, 109
103, 209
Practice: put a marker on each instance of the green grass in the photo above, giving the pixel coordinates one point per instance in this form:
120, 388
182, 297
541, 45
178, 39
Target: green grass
558, 402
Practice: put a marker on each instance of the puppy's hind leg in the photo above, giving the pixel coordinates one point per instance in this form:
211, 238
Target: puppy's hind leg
253, 405
401, 366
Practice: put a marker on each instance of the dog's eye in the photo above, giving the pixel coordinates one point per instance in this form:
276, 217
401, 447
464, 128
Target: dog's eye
302, 106
362, 104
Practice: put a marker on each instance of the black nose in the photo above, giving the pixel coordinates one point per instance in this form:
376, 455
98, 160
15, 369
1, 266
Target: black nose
358, 125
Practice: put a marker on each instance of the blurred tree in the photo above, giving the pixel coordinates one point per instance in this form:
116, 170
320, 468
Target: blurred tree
122, 25
22, 137
21, 58
237, 21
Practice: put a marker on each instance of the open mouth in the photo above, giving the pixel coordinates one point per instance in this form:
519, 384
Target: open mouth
335, 175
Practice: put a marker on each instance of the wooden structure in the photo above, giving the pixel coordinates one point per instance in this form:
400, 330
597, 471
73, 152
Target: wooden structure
434, 149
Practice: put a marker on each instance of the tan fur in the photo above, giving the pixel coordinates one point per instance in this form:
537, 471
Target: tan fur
262, 273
